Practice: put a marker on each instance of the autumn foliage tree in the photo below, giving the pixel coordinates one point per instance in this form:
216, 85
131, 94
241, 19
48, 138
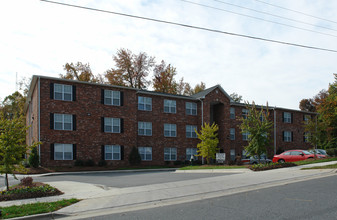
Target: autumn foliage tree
79, 71
163, 79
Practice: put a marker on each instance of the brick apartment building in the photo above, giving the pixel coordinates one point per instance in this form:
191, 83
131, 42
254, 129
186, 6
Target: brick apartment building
79, 121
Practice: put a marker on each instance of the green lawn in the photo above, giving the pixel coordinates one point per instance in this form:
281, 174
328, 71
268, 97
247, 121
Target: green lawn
34, 208
332, 166
304, 162
211, 167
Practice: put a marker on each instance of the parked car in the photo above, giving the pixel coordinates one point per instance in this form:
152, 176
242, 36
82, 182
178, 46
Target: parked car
319, 151
255, 160
294, 155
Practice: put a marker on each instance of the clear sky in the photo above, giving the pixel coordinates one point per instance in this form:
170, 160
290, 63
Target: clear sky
38, 38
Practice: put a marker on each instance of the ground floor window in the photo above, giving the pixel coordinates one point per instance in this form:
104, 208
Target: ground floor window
232, 154
63, 152
145, 153
191, 152
287, 136
112, 152
170, 154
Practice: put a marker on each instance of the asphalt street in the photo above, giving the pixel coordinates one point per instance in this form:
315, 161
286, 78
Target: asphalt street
122, 180
312, 199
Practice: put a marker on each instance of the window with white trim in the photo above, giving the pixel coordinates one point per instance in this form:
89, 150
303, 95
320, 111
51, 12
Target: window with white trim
144, 128
191, 108
287, 117
170, 106
245, 113
190, 152
145, 153
245, 136
190, 131
287, 136
170, 154
112, 125
232, 113
307, 118
112, 152
144, 103
63, 92
232, 154
112, 97
306, 136
170, 130
63, 151
232, 134
63, 122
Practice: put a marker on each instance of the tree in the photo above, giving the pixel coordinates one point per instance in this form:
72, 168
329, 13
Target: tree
236, 97
12, 146
199, 88
133, 68
208, 146
163, 79
259, 127
307, 105
80, 72
183, 88
34, 159
13, 106
114, 77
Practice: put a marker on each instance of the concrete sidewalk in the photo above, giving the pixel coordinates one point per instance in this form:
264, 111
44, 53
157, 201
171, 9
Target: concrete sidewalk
100, 200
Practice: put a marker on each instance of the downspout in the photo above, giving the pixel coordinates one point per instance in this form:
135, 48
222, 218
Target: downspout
275, 130
38, 104
202, 120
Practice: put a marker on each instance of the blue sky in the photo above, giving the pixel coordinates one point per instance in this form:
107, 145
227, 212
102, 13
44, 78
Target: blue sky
39, 38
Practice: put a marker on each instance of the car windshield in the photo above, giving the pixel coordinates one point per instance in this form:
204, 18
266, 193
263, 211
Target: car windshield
306, 152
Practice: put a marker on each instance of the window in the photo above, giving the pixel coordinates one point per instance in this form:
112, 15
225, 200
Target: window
63, 152
145, 153
170, 130
306, 118
145, 128
170, 154
169, 106
287, 136
244, 155
112, 125
232, 154
287, 117
232, 113
245, 136
306, 137
190, 152
190, 131
245, 113
191, 108
63, 122
63, 92
112, 97
112, 152
232, 134
144, 103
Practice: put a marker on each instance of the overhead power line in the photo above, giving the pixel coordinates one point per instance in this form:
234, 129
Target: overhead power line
273, 15
249, 16
288, 9
190, 26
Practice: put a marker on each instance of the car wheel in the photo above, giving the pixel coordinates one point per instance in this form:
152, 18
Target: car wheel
281, 161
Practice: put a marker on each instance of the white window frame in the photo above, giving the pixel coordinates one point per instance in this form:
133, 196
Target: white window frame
113, 150
245, 113
144, 103
245, 136
232, 134
287, 136
63, 92
190, 131
232, 154
144, 128
145, 153
191, 108
113, 96
307, 118
170, 154
170, 106
113, 123
170, 130
232, 113
190, 152
63, 121
61, 148
286, 117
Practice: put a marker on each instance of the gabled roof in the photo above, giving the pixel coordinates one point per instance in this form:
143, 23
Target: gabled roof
205, 92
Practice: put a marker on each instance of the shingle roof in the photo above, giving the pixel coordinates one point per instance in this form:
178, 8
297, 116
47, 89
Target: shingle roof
205, 92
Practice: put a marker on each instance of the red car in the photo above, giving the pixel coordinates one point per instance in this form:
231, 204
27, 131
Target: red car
294, 155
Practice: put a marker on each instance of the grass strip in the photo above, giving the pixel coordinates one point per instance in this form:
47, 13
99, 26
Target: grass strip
331, 166
35, 208
311, 161
211, 167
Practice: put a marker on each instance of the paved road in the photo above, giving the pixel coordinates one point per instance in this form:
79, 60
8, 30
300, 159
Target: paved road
121, 180
312, 199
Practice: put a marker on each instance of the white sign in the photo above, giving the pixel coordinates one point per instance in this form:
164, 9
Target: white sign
220, 157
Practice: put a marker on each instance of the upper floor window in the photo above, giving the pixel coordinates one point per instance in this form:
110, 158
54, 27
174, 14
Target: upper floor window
232, 134
144, 103
287, 136
232, 113
170, 106
112, 97
245, 113
306, 136
190, 131
191, 108
170, 154
287, 117
145, 128
63, 92
63, 151
245, 136
191, 152
145, 153
112, 125
306, 118
112, 152
63, 122
170, 130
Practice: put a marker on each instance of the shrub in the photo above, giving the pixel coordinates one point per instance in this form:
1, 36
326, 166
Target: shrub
332, 152
178, 163
27, 181
34, 159
269, 166
89, 163
134, 157
102, 163
79, 163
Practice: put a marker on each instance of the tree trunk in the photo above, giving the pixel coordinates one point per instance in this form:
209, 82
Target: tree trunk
6, 181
